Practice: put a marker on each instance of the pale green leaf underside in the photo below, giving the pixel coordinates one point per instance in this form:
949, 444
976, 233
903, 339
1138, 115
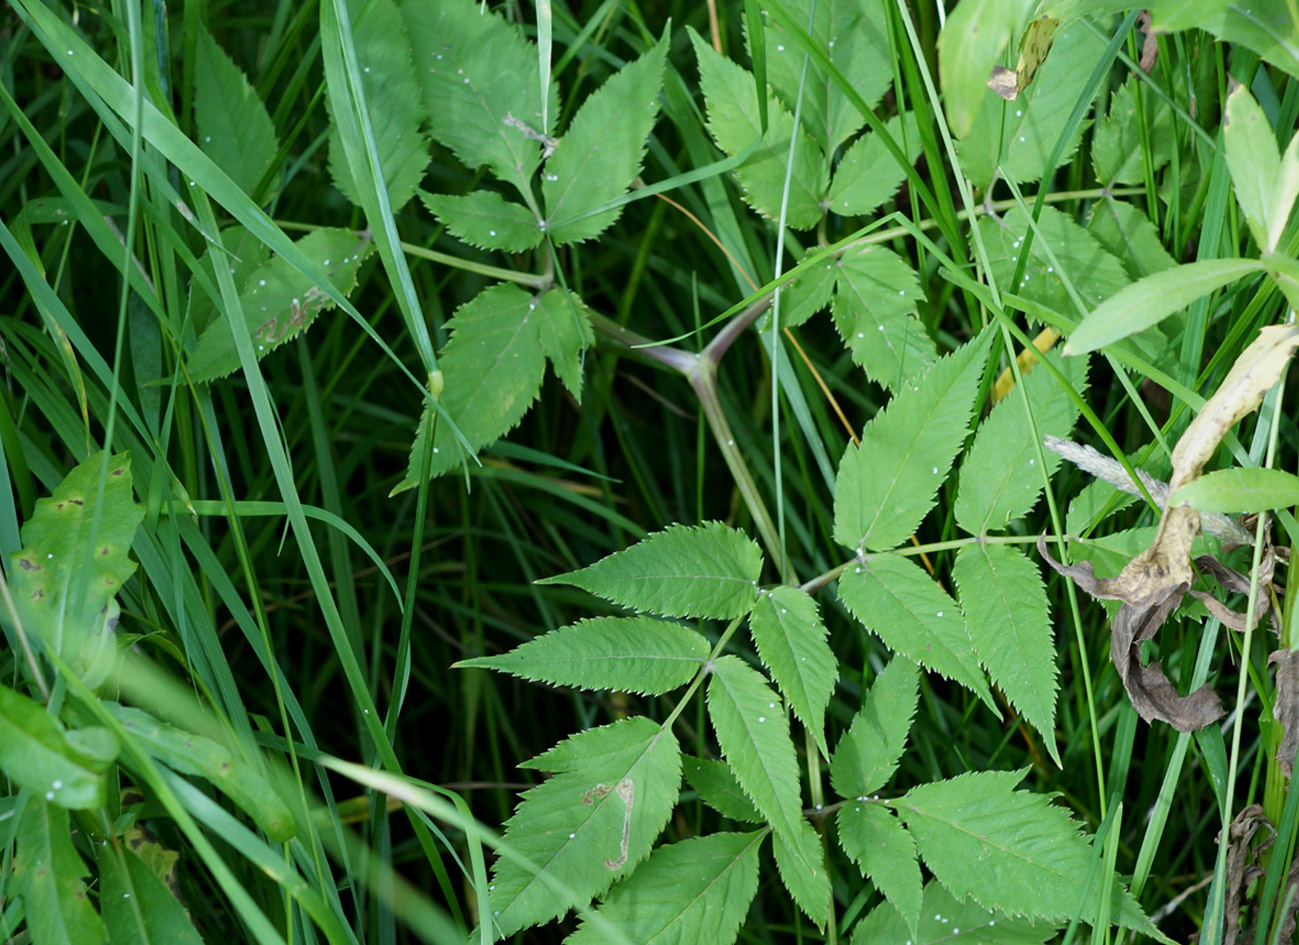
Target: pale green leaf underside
481, 86
973, 39
1008, 618
628, 654
1001, 478
493, 366
653, 906
603, 149
801, 864
868, 753
944, 921
881, 846
279, 302
874, 308
234, 128
1073, 253
1236, 491
1016, 138
792, 641
1009, 850
1154, 298
590, 824
869, 174
1253, 160
887, 485
717, 787
898, 602
708, 570
734, 124
486, 220
48, 875
392, 101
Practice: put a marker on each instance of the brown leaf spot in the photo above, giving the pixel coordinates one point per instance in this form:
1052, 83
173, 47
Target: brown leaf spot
28, 564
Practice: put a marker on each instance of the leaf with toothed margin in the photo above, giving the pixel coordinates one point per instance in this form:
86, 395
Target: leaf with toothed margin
708, 570
868, 753
612, 791
792, 642
874, 309
486, 220
74, 560
233, 125
876, 840
889, 483
894, 599
279, 302
945, 921
715, 782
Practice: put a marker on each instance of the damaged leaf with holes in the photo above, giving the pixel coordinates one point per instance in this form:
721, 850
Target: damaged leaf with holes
280, 302
74, 560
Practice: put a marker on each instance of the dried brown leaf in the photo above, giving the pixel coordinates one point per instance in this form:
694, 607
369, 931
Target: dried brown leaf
1242, 860
1286, 708
1150, 48
1004, 82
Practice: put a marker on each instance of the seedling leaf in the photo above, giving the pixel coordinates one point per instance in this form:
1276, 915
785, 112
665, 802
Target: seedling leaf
894, 599
485, 219
628, 654
603, 149
733, 122
1008, 618
279, 302
589, 824
1011, 850
874, 308
868, 753
234, 128
888, 484
703, 571
392, 98
792, 642
649, 907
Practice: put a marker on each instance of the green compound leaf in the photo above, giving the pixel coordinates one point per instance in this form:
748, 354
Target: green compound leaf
485, 219
868, 753
889, 483
715, 782
1152, 299
874, 308
869, 175
806, 295
793, 644
192, 754
1093, 272
603, 150
707, 570
1255, 165
493, 366
279, 302
733, 122
1128, 235
1016, 138
63, 585
1011, 850
753, 733
881, 846
975, 35
128, 887
234, 128
650, 908
627, 654
1117, 153
897, 601
854, 36
1239, 490
244, 254
944, 921
809, 889
1008, 618
36, 754
48, 874
588, 825
392, 98
1000, 476
482, 89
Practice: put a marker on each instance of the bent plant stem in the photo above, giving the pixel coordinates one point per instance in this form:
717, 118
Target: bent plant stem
700, 370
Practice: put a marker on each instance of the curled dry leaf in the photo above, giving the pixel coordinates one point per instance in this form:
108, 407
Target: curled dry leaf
1154, 582
1286, 708
1242, 862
